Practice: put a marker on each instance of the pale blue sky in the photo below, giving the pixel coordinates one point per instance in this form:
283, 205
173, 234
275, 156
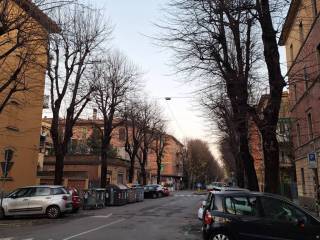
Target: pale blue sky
133, 21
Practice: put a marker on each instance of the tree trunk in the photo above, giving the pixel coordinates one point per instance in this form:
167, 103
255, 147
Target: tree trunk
58, 173
158, 173
104, 165
271, 161
131, 172
239, 174
245, 156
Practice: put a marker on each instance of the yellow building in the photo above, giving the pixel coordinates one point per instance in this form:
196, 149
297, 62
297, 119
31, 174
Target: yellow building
20, 120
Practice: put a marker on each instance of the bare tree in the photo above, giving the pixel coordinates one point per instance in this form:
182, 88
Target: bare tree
71, 54
24, 29
134, 133
200, 164
150, 123
115, 79
159, 147
213, 39
218, 110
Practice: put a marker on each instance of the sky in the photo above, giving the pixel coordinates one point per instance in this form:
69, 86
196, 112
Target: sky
133, 23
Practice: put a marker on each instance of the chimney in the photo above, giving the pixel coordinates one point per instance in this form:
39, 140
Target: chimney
94, 114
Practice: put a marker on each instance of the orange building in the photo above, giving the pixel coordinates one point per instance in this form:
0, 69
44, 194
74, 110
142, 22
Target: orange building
82, 165
20, 121
300, 36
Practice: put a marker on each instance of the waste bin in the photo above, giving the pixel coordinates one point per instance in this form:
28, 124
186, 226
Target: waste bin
93, 198
116, 195
132, 194
139, 193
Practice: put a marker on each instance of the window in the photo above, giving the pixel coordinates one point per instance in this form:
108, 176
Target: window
8, 155
42, 191
122, 134
281, 211
22, 192
305, 77
298, 135
301, 34
310, 126
303, 181
291, 53
120, 178
314, 8
242, 206
58, 191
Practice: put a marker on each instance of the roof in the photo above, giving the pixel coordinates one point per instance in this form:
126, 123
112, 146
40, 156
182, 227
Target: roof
47, 186
293, 9
36, 13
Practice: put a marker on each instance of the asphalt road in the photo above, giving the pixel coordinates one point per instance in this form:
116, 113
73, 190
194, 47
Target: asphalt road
173, 217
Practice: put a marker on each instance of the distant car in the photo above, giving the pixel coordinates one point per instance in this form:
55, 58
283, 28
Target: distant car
256, 216
153, 191
47, 199
218, 189
75, 198
212, 185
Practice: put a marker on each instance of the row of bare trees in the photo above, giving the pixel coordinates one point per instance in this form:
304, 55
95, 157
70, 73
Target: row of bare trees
200, 166
83, 73
232, 44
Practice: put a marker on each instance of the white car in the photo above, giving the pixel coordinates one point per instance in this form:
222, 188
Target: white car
49, 200
217, 189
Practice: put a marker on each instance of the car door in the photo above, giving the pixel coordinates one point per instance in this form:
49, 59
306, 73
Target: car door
244, 213
280, 219
18, 202
39, 199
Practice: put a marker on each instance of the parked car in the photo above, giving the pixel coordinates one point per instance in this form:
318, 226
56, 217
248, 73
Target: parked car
75, 198
165, 191
49, 200
212, 185
153, 191
219, 189
250, 215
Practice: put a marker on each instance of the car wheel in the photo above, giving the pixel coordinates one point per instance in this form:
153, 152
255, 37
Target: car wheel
75, 210
154, 195
220, 236
159, 194
53, 212
2, 215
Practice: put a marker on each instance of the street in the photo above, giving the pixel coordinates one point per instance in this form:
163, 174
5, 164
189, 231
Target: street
173, 217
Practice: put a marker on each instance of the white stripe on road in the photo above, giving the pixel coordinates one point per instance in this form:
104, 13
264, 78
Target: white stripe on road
102, 216
94, 229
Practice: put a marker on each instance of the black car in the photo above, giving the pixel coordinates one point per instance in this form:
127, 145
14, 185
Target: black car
250, 215
153, 191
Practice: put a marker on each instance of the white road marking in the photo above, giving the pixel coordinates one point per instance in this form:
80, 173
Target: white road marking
94, 229
102, 216
9, 238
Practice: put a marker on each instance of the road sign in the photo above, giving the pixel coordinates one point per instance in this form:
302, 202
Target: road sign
312, 159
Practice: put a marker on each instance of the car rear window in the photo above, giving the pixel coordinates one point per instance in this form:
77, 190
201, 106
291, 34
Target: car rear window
58, 191
245, 206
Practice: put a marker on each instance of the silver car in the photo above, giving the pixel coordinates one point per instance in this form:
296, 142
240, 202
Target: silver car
47, 199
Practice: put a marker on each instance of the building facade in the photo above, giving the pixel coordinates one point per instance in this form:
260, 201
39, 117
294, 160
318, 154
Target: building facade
82, 163
20, 120
300, 36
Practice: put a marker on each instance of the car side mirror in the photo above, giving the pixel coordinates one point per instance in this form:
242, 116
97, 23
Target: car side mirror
204, 203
